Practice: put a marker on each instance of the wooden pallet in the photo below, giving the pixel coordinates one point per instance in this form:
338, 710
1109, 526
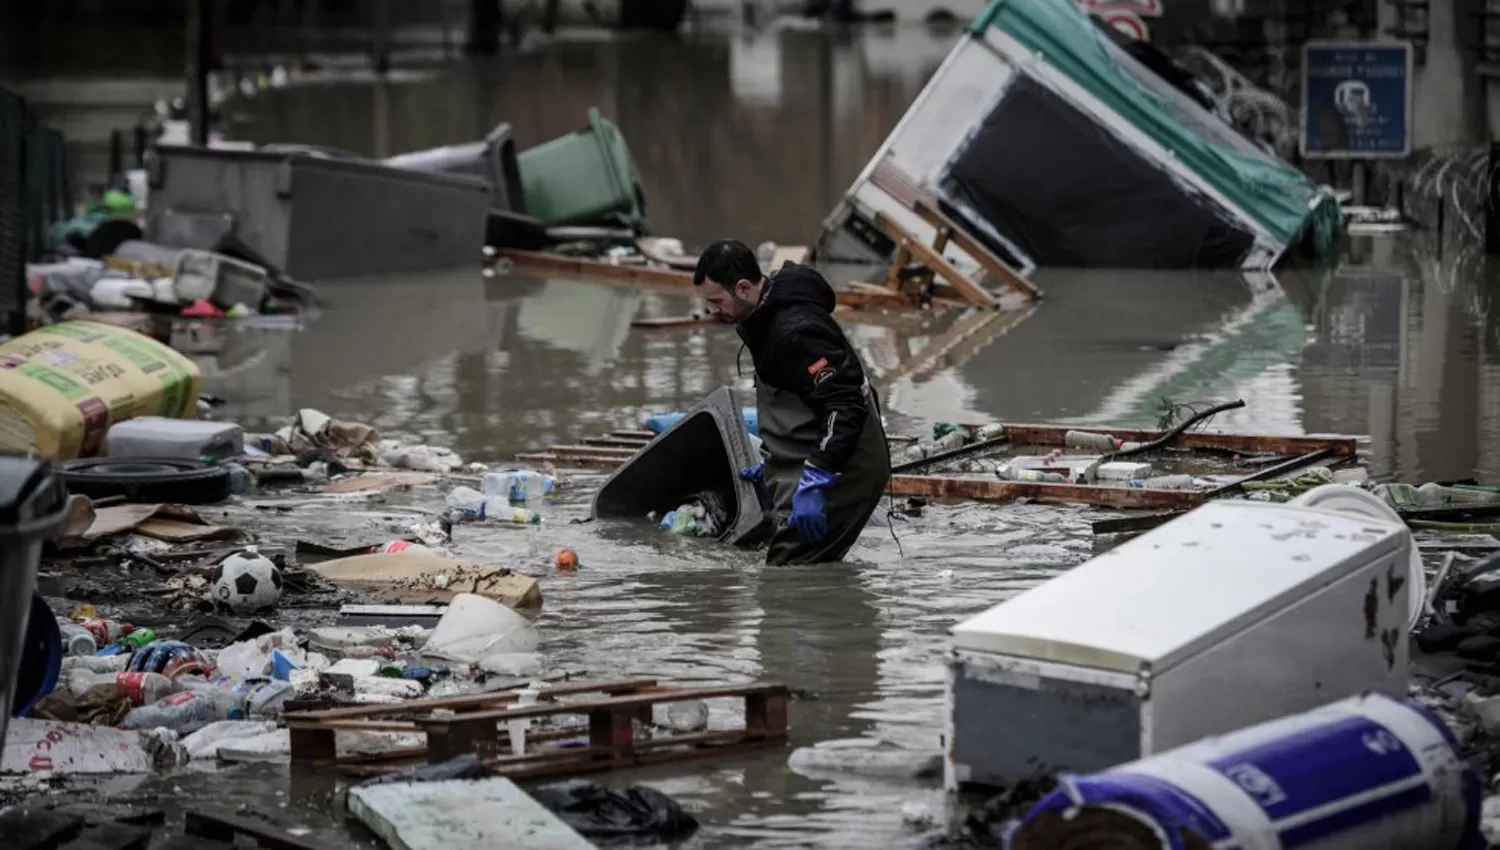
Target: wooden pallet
475, 724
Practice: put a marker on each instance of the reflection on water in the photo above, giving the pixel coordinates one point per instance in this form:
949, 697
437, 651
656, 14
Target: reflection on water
756, 139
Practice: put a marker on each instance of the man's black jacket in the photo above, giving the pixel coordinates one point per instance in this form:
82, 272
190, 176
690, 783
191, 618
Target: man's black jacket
799, 348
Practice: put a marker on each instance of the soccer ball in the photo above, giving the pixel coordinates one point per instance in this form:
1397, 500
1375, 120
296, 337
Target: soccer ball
247, 581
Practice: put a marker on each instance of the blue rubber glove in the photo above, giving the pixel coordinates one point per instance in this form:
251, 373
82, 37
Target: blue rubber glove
756, 475
809, 510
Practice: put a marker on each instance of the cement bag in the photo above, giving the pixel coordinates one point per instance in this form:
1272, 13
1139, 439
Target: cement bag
63, 385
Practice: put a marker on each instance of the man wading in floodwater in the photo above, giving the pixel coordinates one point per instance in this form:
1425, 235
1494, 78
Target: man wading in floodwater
826, 463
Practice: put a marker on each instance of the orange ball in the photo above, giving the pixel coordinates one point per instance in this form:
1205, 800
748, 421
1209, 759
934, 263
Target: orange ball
566, 560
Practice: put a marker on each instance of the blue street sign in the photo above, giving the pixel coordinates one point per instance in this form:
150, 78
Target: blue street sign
1356, 99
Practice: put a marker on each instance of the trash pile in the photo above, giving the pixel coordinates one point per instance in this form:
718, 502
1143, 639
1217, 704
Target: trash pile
136, 276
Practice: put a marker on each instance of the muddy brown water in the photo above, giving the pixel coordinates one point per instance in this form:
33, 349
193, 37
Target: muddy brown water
756, 138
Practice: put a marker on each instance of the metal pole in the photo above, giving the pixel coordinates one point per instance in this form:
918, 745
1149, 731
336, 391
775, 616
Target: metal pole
197, 70
1492, 202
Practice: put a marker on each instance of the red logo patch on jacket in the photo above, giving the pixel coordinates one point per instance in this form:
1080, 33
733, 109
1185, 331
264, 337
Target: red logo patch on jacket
818, 366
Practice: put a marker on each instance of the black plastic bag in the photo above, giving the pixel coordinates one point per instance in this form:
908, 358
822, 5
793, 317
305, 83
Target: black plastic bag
595, 811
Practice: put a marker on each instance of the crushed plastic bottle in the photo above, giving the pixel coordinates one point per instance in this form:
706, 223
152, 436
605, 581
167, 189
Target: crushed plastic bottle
96, 663
78, 640
139, 688
519, 485
106, 632
186, 712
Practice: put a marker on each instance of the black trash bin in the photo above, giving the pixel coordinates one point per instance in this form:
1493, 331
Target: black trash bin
33, 508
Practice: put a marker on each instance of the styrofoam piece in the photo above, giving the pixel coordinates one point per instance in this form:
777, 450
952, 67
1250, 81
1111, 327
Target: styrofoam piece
461, 814
704, 450
37, 746
1349, 499
476, 626
184, 439
1365, 773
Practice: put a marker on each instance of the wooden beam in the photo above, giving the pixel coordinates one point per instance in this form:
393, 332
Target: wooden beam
993, 490
993, 266
572, 461
1053, 435
973, 292
675, 282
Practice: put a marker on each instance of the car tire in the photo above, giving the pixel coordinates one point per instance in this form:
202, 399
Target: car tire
186, 482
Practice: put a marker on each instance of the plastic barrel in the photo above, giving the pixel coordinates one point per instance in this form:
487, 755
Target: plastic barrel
1366, 773
33, 507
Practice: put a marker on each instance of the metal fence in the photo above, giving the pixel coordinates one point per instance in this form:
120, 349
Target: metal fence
35, 191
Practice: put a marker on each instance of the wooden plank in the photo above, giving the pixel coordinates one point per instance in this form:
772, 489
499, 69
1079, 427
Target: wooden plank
668, 322
973, 292
672, 282
987, 259
617, 442
993, 490
632, 701
1052, 435
312, 719
591, 451
572, 461
639, 433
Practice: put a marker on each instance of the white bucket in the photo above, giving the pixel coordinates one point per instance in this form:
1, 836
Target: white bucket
1365, 773
1353, 500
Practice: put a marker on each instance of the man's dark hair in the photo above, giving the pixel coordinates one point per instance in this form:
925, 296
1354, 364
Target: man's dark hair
726, 262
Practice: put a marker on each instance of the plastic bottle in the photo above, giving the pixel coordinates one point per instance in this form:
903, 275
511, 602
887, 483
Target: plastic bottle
139, 688
521, 516
96, 663
78, 640
465, 504
519, 485
517, 728
106, 632
1167, 482
241, 480
138, 638
254, 697
186, 712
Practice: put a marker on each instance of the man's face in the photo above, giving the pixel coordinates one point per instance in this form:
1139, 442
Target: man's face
730, 305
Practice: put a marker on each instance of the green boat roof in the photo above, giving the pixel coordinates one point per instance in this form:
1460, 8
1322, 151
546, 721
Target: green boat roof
1276, 195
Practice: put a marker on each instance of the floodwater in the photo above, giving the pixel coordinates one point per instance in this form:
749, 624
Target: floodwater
756, 138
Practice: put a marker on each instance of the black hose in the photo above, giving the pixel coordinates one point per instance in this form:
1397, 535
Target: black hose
1165, 439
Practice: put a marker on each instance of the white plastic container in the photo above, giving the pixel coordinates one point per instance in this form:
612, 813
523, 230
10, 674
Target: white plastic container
1123, 470
1366, 773
1236, 613
519, 485
183, 439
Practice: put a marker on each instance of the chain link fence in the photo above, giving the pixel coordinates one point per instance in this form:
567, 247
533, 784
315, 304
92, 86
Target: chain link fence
35, 191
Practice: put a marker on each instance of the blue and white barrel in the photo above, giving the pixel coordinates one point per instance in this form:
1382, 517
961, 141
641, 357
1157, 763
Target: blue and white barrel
1365, 773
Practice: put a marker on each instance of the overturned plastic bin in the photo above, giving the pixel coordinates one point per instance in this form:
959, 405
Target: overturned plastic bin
1237, 613
492, 158
704, 450
1370, 772
315, 217
33, 508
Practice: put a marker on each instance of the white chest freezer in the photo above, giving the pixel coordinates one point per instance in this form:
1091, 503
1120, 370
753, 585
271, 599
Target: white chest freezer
1234, 614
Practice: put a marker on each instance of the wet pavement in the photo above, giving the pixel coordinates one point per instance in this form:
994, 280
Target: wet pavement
756, 140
